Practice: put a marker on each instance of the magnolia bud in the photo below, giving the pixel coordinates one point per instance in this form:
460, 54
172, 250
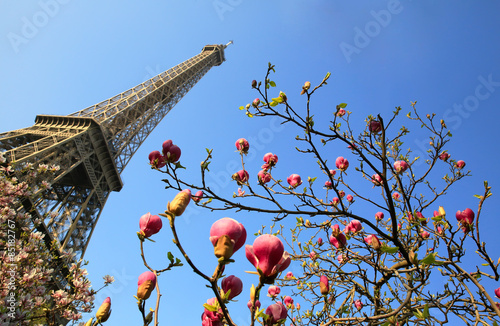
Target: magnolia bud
178, 205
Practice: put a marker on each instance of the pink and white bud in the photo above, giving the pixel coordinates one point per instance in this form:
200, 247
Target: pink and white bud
289, 276
358, 304
350, 198
256, 103
273, 291
288, 301
341, 113
268, 255
171, 152
227, 236
150, 224
324, 286
353, 227
375, 126
373, 241
242, 145
294, 180
424, 234
271, 159
276, 313
341, 163
400, 166
198, 196
444, 156
232, 283
145, 285
156, 160
497, 292
396, 196
460, 164
377, 179
263, 177
379, 216
241, 177
338, 241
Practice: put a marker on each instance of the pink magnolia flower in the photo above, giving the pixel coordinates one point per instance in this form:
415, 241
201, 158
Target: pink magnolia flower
373, 241
439, 230
294, 180
324, 286
444, 156
180, 202
460, 164
241, 177
335, 201
465, 216
149, 224
198, 196
338, 241
320, 241
358, 304
350, 198
341, 193
379, 216
341, 163
249, 304
288, 301
424, 234
312, 255
289, 276
171, 152
271, 159
497, 292
341, 113
227, 236
233, 284
400, 166
375, 126
267, 254
240, 192
254, 83
341, 259
377, 179
263, 177
156, 160
273, 291
396, 196
146, 285
353, 226
332, 172
275, 313
212, 318
256, 103
104, 310
242, 145
328, 185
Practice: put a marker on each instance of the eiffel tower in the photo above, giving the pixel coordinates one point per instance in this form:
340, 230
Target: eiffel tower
93, 146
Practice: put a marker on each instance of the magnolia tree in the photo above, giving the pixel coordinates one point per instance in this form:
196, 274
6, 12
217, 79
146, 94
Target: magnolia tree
372, 242
28, 293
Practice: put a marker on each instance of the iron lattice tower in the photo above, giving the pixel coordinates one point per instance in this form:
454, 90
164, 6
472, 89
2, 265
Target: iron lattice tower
93, 146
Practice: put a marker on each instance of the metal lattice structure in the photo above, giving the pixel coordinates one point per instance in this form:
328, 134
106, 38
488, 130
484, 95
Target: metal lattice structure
93, 146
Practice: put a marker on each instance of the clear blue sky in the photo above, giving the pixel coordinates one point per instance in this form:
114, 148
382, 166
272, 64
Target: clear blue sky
62, 56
